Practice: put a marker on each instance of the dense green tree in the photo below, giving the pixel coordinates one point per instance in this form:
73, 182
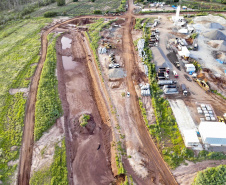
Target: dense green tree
214, 176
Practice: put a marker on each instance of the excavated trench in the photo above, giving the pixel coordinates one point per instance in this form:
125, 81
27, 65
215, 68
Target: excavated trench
89, 149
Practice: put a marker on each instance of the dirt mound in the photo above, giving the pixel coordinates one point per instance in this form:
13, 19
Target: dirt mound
88, 128
215, 35
218, 44
214, 25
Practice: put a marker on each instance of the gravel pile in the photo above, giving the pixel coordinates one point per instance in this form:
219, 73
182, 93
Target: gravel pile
210, 18
215, 25
215, 35
116, 73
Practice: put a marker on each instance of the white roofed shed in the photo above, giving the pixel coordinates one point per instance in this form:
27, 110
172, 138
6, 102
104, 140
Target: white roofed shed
213, 133
190, 138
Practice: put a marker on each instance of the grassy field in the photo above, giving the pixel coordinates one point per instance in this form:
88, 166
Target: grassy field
48, 105
82, 7
19, 48
56, 174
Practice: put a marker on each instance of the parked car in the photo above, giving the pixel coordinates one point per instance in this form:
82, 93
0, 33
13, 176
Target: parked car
175, 74
128, 94
188, 78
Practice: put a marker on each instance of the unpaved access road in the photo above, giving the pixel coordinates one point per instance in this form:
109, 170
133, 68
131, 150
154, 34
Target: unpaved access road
28, 131
130, 65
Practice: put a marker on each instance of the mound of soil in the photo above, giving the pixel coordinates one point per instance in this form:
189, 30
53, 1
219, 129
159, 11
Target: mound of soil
215, 35
218, 44
88, 129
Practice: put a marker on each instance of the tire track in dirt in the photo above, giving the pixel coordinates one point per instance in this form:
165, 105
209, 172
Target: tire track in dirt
28, 130
130, 65
28, 137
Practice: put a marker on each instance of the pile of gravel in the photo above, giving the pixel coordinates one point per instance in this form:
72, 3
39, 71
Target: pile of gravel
215, 35
210, 18
218, 44
215, 25
116, 73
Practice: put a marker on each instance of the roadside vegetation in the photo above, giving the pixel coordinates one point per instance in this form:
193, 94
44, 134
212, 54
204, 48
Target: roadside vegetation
19, 49
55, 174
214, 176
48, 105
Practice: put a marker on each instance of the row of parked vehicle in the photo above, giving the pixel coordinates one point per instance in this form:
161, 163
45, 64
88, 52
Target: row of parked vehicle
154, 39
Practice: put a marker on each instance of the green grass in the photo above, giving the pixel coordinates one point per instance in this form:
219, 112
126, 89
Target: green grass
214, 176
82, 7
57, 173
19, 48
48, 105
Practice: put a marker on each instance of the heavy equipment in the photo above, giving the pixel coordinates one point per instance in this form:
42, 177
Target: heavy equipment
202, 84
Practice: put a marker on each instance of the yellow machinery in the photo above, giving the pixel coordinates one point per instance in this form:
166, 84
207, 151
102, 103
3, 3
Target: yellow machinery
202, 84
220, 119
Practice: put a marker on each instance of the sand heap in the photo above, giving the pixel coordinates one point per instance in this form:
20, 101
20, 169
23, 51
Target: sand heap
218, 44
215, 35
215, 25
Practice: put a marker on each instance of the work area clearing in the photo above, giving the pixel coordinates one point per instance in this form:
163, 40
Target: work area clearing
186, 124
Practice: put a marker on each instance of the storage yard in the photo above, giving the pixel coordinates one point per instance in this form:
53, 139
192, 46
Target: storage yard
108, 81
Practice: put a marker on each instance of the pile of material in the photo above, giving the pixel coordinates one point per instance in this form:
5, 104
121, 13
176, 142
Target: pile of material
218, 44
210, 18
116, 73
215, 35
215, 25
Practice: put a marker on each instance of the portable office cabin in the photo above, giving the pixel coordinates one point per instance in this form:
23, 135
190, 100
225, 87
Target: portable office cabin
190, 138
213, 133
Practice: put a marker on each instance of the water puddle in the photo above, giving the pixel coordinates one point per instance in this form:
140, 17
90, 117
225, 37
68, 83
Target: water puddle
68, 63
66, 42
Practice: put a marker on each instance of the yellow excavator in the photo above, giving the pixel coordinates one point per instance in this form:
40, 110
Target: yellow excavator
202, 84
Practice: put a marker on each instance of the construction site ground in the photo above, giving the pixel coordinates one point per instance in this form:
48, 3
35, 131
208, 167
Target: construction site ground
90, 155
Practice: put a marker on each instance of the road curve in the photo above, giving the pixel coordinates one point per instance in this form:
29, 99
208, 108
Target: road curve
28, 132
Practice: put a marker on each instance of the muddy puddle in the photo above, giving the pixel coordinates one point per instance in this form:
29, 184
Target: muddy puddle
68, 63
66, 42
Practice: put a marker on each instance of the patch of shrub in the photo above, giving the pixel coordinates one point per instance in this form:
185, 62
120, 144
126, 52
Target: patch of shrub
84, 120
60, 2
97, 12
50, 14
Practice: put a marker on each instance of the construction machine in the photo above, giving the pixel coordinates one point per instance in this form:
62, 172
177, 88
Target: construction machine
220, 119
202, 84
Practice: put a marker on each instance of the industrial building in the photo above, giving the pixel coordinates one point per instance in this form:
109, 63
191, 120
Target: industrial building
213, 133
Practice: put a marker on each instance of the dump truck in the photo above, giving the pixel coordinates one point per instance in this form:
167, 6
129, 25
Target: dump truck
163, 74
184, 89
202, 84
166, 82
170, 91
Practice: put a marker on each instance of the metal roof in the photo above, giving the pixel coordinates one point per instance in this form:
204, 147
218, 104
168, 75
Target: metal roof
213, 133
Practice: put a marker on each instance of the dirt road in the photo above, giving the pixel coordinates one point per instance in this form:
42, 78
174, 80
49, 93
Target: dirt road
130, 65
28, 131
